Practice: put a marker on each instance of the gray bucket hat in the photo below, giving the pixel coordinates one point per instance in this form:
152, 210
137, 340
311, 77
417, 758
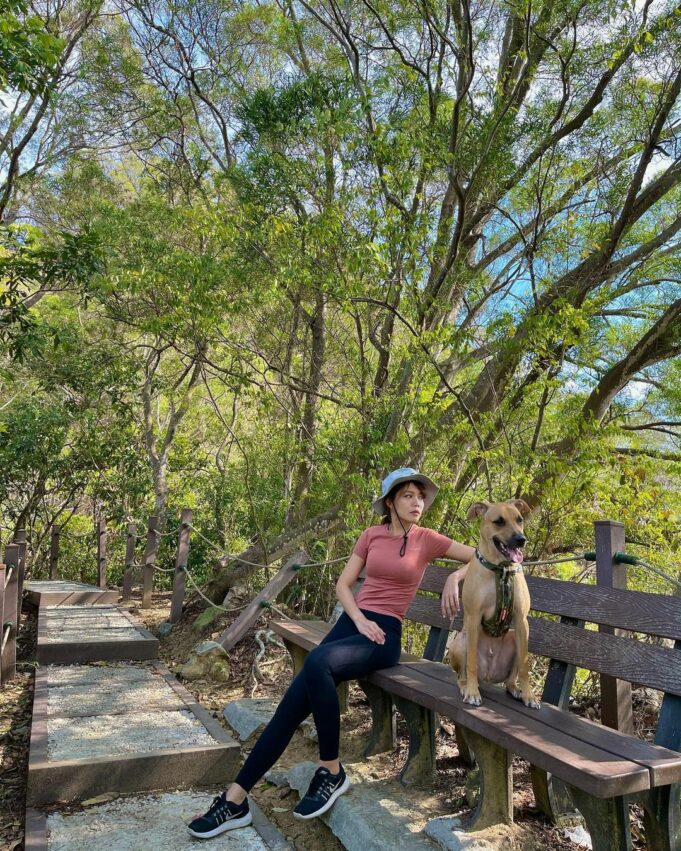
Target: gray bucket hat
397, 477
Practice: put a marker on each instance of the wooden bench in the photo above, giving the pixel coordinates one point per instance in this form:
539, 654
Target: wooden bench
575, 762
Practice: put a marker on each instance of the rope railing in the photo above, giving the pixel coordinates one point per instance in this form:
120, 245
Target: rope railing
8, 575
235, 557
208, 600
635, 561
167, 534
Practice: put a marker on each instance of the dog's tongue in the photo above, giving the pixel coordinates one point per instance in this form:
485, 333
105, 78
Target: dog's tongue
516, 555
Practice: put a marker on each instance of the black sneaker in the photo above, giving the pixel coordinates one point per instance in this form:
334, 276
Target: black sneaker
222, 815
323, 791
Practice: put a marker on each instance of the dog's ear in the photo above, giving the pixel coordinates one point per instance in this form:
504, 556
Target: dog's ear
522, 506
478, 509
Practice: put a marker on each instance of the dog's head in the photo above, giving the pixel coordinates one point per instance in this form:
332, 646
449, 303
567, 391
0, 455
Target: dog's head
501, 532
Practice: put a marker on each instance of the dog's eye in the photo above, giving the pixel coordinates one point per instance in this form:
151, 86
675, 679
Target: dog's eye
519, 520
499, 522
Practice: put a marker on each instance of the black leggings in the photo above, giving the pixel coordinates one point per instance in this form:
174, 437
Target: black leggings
344, 654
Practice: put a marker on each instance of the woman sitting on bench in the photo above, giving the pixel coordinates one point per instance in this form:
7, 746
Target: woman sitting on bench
365, 638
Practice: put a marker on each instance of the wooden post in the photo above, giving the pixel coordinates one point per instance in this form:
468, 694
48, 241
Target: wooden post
179, 577
8, 653
130, 545
100, 534
616, 706
149, 562
20, 540
54, 552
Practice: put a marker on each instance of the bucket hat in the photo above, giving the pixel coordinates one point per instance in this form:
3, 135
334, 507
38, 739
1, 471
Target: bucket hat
397, 477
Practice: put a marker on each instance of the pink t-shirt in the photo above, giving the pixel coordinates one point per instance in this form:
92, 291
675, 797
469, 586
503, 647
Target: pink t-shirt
391, 581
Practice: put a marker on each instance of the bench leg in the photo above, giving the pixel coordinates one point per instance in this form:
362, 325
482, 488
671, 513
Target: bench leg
420, 765
662, 817
496, 782
465, 753
607, 820
298, 657
551, 796
382, 737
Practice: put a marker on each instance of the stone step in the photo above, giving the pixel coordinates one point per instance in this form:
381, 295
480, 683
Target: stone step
68, 634
58, 592
144, 822
121, 728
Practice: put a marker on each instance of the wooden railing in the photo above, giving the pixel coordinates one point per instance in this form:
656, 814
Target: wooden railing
136, 572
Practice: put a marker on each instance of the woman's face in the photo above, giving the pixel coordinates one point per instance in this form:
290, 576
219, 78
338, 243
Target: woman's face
409, 502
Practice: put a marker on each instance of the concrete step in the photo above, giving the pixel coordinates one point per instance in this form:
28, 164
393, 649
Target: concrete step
121, 728
58, 592
68, 634
144, 823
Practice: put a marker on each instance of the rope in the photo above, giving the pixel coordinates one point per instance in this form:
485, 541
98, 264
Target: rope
268, 604
170, 569
209, 601
635, 561
8, 576
583, 557
238, 558
5, 637
166, 534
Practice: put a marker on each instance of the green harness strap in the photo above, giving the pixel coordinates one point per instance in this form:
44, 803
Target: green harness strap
504, 573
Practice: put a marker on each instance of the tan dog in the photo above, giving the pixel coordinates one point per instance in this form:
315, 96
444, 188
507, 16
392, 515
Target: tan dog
474, 653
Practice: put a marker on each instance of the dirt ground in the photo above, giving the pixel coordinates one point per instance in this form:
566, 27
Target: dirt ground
447, 795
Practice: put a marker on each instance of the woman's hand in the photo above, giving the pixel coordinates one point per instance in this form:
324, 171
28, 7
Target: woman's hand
370, 629
449, 601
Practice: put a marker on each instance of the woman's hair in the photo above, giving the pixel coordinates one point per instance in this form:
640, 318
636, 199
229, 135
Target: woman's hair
392, 494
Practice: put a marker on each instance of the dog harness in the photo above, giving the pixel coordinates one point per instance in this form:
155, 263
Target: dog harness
504, 574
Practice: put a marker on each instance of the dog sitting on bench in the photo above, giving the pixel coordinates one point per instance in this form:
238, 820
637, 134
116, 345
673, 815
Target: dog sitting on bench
492, 646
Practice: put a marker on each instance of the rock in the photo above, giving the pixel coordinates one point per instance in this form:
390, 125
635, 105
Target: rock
207, 661
447, 832
249, 717
236, 592
579, 836
165, 628
206, 618
365, 819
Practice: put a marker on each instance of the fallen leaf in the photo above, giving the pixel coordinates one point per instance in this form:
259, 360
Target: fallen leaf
101, 799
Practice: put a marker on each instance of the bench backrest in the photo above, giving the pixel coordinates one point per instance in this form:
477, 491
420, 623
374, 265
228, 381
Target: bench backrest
569, 641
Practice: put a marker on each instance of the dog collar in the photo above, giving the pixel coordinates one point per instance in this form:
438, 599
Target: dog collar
503, 567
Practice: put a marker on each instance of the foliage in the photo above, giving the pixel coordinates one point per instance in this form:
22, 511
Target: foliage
286, 248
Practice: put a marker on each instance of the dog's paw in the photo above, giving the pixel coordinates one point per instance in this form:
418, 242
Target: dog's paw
472, 697
532, 702
515, 692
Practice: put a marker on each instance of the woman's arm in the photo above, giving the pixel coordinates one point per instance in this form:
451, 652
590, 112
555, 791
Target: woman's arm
346, 580
449, 601
460, 552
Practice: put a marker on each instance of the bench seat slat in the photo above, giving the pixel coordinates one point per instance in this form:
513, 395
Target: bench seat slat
600, 772
637, 611
664, 765
595, 770
624, 658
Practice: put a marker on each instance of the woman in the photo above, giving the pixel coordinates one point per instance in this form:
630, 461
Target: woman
366, 637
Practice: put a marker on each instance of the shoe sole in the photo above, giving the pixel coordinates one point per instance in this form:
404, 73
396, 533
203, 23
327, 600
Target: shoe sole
233, 824
327, 806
